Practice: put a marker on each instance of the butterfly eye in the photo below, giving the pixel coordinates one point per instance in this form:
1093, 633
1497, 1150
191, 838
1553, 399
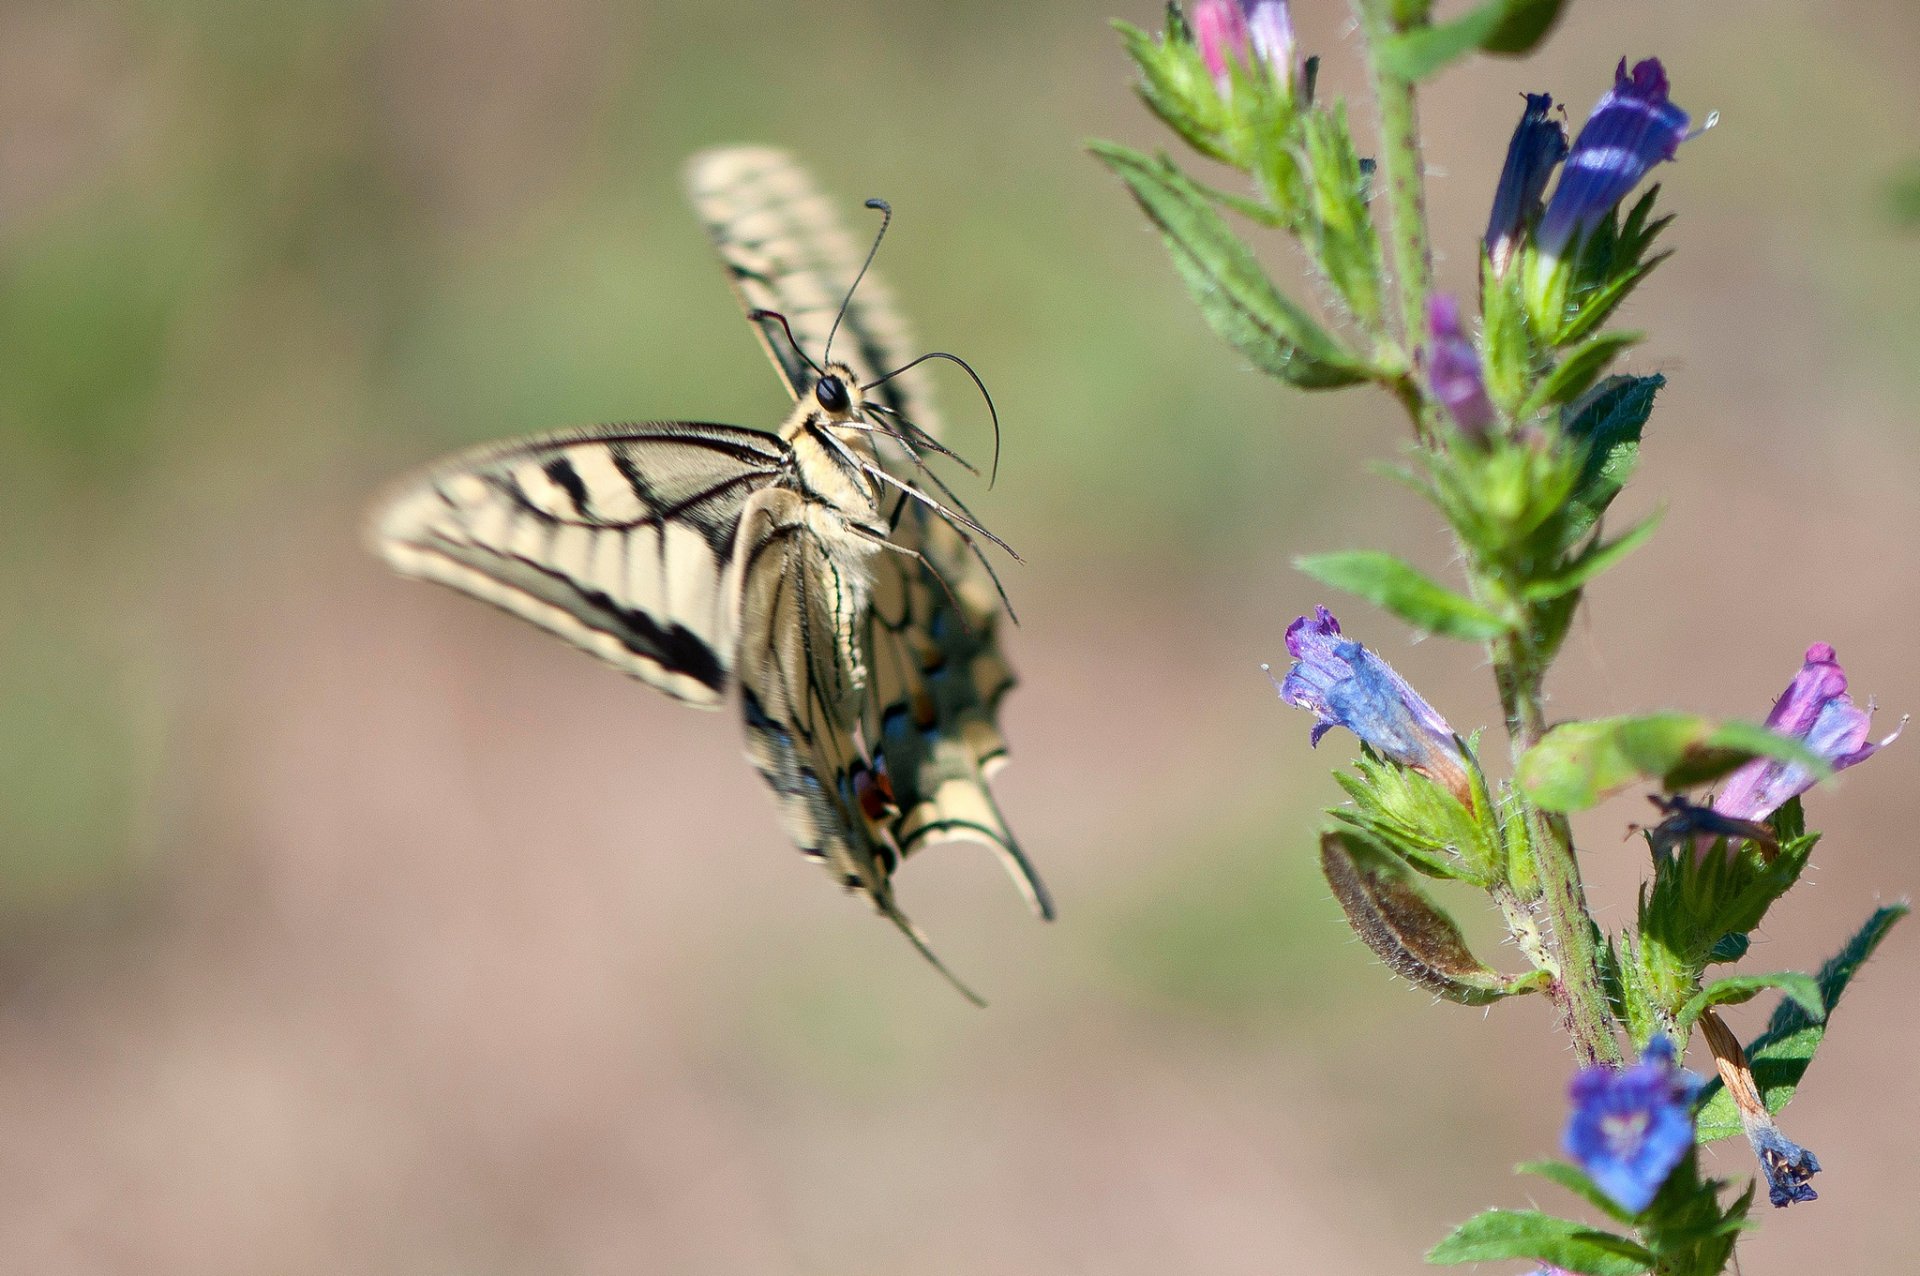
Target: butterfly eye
831, 391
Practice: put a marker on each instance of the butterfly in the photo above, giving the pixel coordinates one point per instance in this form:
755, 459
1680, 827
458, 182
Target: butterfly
820, 577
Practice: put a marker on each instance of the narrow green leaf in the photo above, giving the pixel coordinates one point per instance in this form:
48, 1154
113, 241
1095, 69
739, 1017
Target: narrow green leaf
1226, 280
1780, 1055
1592, 561
1421, 52
1403, 590
1576, 1181
1579, 763
1523, 24
1579, 370
1499, 26
1732, 991
1541, 1238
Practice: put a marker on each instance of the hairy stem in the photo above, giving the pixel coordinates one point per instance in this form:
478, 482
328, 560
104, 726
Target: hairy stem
1572, 945
1404, 180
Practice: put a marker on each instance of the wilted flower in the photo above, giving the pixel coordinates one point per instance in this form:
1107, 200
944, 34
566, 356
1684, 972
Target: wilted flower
1346, 685
1815, 710
1632, 128
1539, 144
1786, 1165
1220, 29
1631, 1126
1452, 367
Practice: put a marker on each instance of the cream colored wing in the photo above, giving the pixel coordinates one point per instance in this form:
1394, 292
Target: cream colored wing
930, 720
617, 538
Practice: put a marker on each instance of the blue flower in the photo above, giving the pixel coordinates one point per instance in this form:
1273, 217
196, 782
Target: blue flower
1452, 367
1270, 29
1539, 144
1345, 685
1631, 1126
1632, 128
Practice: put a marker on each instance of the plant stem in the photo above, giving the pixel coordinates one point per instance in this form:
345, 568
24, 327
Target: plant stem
1404, 179
1577, 989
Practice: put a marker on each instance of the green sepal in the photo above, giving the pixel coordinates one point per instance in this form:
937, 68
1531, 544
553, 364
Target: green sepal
1780, 1055
1697, 900
1516, 840
1578, 371
1578, 763
1343, 240
1597, 557
1729, 947
1176, 86
1404, 590
1607, 424
1226, 280
1505, 499
1423, 822
1542, 1238
1507, 355
1732, 991
1570, 296
1575, 1180
1406, 930
1499, 26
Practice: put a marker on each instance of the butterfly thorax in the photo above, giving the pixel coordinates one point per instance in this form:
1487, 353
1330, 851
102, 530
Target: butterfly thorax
832, 459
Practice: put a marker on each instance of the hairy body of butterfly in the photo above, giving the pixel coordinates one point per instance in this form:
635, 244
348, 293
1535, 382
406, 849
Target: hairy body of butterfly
801, 573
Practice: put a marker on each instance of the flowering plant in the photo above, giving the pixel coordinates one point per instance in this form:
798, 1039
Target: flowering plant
1522, 440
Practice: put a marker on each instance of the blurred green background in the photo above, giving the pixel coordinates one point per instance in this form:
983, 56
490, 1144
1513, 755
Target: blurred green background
346, 925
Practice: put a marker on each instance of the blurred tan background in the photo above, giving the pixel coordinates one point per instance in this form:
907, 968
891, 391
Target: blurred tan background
349, 926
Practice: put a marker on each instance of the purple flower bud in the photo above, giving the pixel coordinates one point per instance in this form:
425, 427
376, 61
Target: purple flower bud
1632, 128
1815, 710
1452, 367
1539, 144
1220, 29
1631, 1126
1270, 27
1345, 685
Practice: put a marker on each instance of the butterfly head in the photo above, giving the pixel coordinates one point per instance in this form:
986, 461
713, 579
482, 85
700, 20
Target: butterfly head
837, 393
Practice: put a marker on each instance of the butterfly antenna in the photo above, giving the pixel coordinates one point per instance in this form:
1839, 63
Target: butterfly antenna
954, 358
886, 216
919, 941
761, 316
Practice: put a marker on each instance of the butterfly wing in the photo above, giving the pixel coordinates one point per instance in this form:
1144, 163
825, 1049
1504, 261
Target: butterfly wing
617, 538
929, 719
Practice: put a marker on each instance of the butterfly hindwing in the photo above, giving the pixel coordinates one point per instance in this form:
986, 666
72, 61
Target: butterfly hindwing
929, 718
616, 538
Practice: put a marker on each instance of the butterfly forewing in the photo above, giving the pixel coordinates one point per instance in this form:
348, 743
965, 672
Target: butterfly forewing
617, 538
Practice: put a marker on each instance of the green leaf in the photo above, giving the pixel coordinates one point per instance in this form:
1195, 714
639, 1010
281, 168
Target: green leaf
1233, 293
1579, 370
1595, 559
1801, 989
1608, 421
1578, 763
1405, 929
1523, 25
1403, 590
1499, 26
1541, 1238
1576, 1181
1730, 947
1780, 1055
